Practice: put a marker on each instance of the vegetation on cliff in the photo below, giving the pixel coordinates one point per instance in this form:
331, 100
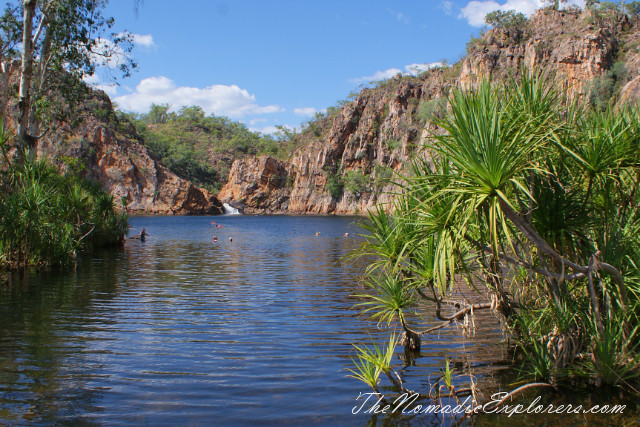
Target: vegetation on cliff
534, 203
201, 148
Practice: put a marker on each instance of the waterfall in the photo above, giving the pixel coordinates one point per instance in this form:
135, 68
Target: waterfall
230, 210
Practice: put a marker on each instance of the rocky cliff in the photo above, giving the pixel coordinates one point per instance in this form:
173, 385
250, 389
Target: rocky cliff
348, 157
108, 150
113, 155
258, 184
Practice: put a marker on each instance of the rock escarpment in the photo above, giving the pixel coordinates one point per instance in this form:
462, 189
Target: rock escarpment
260, 184
88, 136
109, 152
347, 157
569, 43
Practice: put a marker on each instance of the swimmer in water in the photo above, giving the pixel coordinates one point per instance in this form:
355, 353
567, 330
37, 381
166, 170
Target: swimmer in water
215, 238
317, 233
346, 234
142, 236
230, 239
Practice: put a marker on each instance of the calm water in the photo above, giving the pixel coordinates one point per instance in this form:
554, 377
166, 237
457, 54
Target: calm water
180, 330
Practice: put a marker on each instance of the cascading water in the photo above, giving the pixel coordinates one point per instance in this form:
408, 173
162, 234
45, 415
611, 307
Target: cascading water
230, 210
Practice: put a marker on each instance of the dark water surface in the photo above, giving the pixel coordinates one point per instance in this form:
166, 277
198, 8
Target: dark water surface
180, 330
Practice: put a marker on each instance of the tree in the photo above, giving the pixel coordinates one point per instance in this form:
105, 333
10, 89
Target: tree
514, 23
555, 4
535, 204
62, 42
633, 8
158, 113
506, 19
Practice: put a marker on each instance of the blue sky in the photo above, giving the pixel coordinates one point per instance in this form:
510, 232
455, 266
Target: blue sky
276, 62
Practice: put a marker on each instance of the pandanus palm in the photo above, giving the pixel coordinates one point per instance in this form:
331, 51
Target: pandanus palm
519, 180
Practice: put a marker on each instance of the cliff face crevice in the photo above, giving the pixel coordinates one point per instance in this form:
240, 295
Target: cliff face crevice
346, 168
258, 185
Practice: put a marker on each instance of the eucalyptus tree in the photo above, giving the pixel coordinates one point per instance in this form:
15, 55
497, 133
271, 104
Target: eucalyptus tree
61, 42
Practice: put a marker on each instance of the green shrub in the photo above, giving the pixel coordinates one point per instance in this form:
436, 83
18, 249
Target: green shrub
201, 148
356, 183
335, 183
603, 89
431, 109
538, 200
335, 186
46, 218
382, 176
515, 23
393, 144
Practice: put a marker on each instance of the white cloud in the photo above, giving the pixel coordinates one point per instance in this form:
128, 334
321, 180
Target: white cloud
307, 111
399, 16
254, 122
447, 7
93, 79
270, 130
221, 100
411, 69
475, 11
144, 40
95, 82
110, 90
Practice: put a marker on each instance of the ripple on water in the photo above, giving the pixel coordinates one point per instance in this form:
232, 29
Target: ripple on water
183, 330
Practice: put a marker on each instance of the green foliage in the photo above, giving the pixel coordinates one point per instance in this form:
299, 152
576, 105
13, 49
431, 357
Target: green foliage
447, 374
335, 183
431, 109
607, 12
201, 148
632, 8
604, 88
383, 175
616, 360
356, 183
514, 23
393, 144
75, 37
158, 114
389, 301
46, 218
371, 362
475, 44
555, 4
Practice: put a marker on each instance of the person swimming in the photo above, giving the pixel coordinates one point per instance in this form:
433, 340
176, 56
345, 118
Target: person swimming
346, 234
317, 233
215, 238
142, 236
